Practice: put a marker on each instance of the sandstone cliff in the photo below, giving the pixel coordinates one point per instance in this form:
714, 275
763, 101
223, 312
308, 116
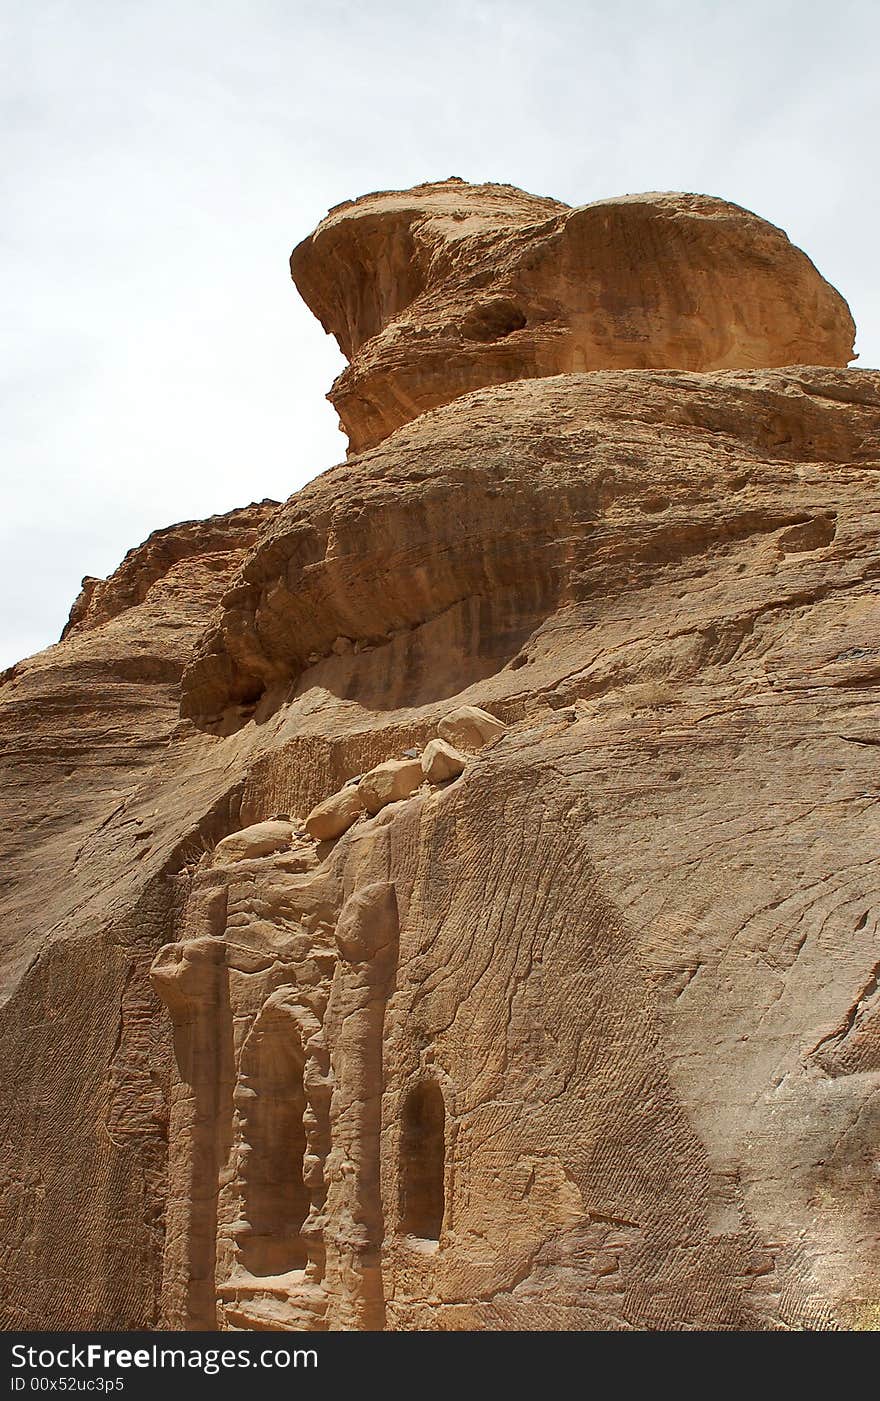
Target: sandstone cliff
566, 1018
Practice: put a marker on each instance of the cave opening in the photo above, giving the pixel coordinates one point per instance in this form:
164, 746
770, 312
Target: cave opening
493, 320
423, 1160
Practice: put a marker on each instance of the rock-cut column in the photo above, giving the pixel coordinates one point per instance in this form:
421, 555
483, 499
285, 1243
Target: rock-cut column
367, 940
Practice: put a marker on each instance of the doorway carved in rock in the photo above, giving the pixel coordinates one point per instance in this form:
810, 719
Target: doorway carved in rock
423, 1161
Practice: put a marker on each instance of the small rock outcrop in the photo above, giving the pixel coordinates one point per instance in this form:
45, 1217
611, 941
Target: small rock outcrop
261, 839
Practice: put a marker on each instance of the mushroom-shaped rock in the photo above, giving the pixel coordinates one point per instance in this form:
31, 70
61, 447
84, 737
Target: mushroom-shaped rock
389, 783
447, 287
469, 728
440, 761
262, 839
334, 815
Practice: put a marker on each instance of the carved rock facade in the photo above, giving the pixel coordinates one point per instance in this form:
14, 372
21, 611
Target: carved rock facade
449, 899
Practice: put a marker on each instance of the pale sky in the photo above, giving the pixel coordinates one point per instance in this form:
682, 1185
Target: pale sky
160, 159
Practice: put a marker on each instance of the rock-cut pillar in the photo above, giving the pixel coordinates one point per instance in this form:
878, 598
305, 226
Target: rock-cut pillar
367, 940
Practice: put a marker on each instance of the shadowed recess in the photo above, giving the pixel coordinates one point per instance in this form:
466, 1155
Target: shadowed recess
276, 1200
423, 1147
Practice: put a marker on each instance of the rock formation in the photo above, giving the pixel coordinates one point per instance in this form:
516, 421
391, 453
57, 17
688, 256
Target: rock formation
448, 900
449, 287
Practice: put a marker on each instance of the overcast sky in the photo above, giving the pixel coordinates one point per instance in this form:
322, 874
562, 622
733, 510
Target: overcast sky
160, 159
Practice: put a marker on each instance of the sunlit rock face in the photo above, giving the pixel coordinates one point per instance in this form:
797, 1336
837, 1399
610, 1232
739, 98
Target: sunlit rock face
447, 287
448, 900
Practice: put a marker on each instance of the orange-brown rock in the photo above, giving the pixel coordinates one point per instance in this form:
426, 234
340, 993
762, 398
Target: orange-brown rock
588, 1038
86, 728
261, 839
442, 289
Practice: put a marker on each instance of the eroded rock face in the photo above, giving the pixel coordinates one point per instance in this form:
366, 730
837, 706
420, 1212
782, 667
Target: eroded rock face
86, 729
438, 290
580, 1032
441, 550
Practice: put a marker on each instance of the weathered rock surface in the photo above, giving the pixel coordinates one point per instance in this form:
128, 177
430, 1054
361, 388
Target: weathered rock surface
589, 1038
438, 290
441, 550
85, 730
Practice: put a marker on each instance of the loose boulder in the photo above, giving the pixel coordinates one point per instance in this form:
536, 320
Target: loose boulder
389, 783
262, 839
334, 815
469, 728
440, 762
